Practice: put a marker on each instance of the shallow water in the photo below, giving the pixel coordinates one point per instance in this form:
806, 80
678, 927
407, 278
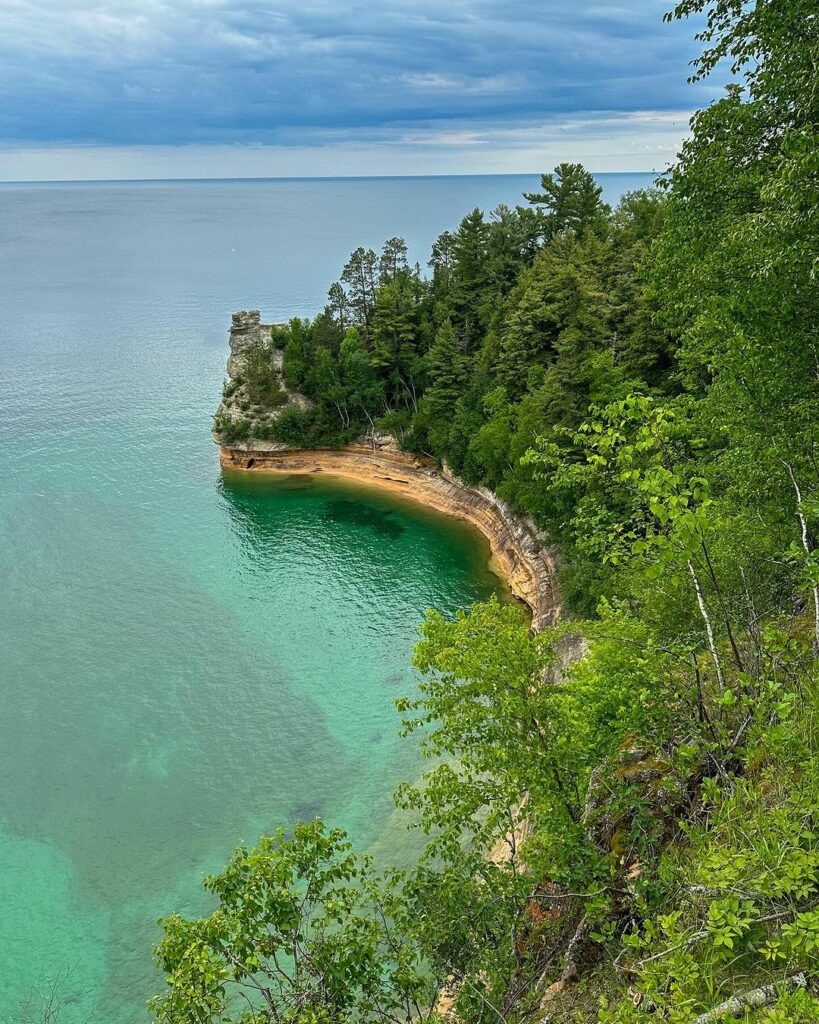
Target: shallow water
186, 659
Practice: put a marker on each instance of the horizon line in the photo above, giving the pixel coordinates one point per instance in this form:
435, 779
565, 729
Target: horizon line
297, 177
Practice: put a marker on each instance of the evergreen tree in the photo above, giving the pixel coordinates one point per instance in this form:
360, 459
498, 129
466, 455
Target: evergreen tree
515, 360
338, 305
442, 260
511, 246
446, 372
393, 260
572, 199
394, 337
359, 276
470, 302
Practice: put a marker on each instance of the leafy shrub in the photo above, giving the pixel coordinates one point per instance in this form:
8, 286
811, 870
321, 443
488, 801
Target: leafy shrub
262, 381
230, 430
292, 427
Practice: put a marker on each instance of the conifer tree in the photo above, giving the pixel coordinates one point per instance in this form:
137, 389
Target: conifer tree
338, 305
470, 275
393, 260
359, 276
572, 198
446, 371
514, 361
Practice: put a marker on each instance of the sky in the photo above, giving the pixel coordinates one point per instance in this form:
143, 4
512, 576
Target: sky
255, 88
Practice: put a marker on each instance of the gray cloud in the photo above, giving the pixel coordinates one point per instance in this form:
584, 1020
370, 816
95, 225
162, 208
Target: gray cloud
294, 74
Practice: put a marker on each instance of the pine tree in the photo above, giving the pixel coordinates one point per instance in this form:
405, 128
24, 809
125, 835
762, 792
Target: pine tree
470, 276
514, 362
359, 276
338, 305
446, 371
572, 198
393, 260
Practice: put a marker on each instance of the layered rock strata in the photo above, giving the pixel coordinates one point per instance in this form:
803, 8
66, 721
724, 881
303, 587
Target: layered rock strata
238, 407
246, 331
519, 552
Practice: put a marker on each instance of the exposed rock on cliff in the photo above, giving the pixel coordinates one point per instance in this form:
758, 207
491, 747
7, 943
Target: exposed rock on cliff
255, 392
246, 332
519, 552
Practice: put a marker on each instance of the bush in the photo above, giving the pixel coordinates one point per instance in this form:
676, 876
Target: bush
293, 427
264, 431
262, 381
229, 430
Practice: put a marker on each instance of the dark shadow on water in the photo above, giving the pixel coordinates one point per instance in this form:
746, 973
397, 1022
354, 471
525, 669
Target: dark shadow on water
268, 513
354, 513
298, 482
308, 811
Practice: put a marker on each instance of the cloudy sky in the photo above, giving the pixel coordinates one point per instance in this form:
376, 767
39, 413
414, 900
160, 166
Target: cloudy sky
209, 88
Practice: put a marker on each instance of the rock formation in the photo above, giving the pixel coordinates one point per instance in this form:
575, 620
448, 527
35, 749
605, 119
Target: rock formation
238, 406
246, 331
519, 553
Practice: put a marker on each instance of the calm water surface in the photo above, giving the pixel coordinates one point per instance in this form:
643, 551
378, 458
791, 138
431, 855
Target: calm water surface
186, 659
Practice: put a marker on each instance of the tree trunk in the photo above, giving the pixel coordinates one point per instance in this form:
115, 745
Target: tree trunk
806, 545
712, 646
725, 617
755, 999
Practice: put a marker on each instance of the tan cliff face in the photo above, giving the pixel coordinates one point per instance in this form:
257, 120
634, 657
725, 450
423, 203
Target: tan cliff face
519, 552
248, 333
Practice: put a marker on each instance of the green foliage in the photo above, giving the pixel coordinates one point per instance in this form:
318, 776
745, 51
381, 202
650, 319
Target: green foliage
446, 373
489, 720
641, 381
231, 429
551, 306
749, 870
635, 500
572, 200
292, 427
261, 378
302, 933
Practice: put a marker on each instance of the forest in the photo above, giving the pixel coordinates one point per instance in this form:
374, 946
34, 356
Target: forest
635, 838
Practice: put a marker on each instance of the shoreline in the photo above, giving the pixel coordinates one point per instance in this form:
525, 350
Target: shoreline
519, 553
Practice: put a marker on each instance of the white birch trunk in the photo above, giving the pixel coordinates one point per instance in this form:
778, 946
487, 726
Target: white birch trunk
753, 1000
803, 523
712, 646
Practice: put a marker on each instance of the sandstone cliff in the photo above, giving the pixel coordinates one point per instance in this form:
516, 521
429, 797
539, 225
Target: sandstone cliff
239, 405
519, 552
246, 332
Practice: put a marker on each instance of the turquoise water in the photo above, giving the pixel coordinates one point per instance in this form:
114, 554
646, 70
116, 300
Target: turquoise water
186, 659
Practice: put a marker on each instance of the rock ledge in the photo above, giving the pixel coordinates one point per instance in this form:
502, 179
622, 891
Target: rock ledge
520, 553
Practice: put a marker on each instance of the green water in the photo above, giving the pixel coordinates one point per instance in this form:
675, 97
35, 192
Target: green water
176, 687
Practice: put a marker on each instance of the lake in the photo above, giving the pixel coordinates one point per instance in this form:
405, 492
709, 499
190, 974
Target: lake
186, 659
